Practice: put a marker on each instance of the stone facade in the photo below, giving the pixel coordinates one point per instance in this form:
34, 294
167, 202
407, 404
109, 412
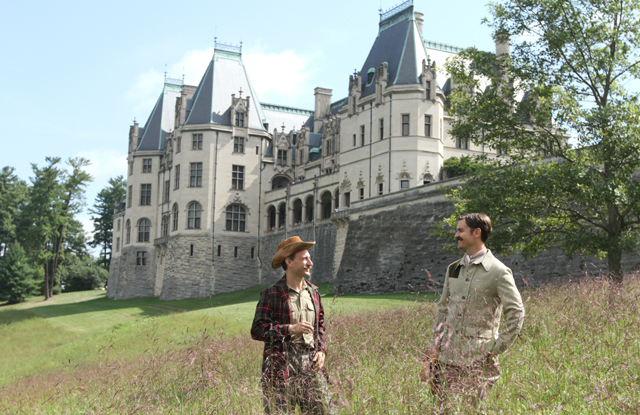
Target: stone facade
217, 179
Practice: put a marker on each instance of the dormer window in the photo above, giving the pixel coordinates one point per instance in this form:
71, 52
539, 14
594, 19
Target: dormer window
370, 76
282, 157
428, 88
239, 119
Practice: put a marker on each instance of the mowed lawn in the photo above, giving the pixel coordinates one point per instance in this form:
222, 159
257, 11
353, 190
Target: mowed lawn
73, 328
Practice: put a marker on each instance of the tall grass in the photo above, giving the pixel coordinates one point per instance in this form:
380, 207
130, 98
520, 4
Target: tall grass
578, 353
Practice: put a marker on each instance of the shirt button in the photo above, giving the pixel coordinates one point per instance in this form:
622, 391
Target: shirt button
467, 280
463, 297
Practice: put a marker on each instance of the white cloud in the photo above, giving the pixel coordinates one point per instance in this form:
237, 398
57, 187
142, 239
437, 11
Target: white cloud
105, 163
281, 78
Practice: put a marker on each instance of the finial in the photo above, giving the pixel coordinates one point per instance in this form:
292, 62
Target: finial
283, 127
165, 72
240, 92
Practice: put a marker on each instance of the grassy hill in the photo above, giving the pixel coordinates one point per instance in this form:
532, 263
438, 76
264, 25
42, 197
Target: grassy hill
579, 352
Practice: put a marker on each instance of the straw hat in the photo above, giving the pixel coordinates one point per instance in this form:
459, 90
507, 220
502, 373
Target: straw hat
289, 247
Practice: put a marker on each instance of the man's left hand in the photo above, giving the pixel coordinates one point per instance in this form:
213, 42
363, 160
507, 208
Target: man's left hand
318, 361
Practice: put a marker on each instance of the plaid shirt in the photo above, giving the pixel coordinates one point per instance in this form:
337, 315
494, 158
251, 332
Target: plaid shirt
271, 325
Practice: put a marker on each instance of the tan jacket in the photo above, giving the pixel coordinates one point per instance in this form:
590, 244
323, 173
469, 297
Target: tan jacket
468, 314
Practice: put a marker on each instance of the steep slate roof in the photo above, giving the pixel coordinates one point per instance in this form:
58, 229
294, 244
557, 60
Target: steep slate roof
161, 121
291, 118
225, 75
400, 45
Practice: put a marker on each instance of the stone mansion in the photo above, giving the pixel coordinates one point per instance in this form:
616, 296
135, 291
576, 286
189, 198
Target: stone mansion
217, 178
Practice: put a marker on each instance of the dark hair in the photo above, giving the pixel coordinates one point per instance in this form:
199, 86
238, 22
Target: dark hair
291, 257
478, 220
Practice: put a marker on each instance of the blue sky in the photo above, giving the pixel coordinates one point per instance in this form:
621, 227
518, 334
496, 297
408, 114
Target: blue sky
75, 74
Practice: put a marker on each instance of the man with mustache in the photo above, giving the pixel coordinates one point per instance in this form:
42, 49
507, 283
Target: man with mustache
478, 291
290, 320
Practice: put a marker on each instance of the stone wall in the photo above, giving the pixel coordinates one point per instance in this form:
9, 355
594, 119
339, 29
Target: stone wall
235, 273
128, 280
389, 247
322, 254
186, 275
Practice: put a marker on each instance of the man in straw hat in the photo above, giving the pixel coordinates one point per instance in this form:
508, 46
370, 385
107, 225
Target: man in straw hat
289, 320
478, 291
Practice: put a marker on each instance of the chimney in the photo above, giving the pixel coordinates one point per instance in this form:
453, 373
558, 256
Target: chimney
322, 107
502, 46
419, 20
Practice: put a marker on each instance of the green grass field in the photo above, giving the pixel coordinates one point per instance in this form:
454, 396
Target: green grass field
579, 353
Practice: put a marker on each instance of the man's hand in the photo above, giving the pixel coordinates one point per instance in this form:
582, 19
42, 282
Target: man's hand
303, 327
319, 361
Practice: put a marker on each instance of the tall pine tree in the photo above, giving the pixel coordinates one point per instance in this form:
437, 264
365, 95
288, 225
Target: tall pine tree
102, 212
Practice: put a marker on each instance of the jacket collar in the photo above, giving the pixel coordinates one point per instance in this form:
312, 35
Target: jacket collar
487, 261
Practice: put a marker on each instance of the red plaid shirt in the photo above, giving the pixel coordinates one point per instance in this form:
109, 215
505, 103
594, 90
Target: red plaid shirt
271, 325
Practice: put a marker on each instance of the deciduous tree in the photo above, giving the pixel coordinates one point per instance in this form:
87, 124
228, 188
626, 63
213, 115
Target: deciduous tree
572, 72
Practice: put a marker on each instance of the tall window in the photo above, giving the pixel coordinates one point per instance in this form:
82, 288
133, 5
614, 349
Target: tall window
405, 124
238, 144
237, 177
361, 193
196, 143
128, 232
176, 181
380, 188
404, 184
129, 196
165, 195
428, 92
117, 244
347, 199
362, 135
239, 119
282, 157
354, 140
462, 143
145, 194
146, 165
118, 226
427, 125
178, 144
130, 168
194, 212
141, 258
165, 225
144, 229
174, 211
236, 218
381, 128
195, 175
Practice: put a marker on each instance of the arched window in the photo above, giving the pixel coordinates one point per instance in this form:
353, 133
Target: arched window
194, 211
279, 182
128, 235
297, 212
144, 230
236, 218
272, 217
165, 225
175, 217
326, 205
309, 209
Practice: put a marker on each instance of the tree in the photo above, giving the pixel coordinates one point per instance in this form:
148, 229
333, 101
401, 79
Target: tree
82, 273
13, 193
570, 74
54, 198
16, 275
465, 165
106, 201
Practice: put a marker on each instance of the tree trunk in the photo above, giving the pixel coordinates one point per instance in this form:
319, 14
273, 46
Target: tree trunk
614, 260
46, 281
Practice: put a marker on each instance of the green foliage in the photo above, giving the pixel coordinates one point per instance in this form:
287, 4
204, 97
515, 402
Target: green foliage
16, 275
81, 274
465, 165
13, 193
569, 74
104, 205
